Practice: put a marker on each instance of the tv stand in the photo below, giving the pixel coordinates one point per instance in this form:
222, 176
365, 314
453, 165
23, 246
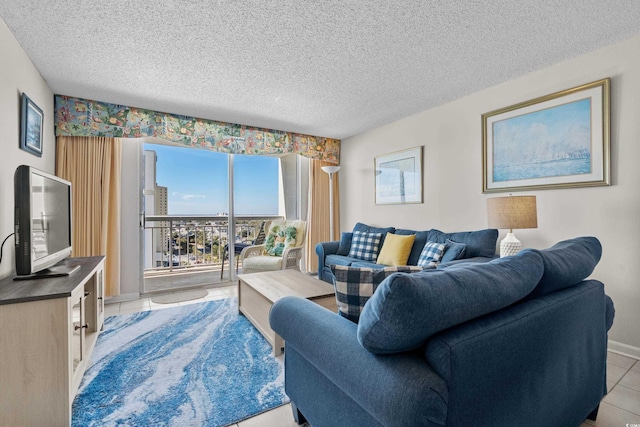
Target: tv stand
49, 328
59, 270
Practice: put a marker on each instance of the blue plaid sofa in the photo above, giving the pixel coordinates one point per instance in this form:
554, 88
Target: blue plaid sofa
359, 248
516, 341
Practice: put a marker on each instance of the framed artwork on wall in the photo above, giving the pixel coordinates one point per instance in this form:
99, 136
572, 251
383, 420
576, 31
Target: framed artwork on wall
560, 140
398, 177
31, 120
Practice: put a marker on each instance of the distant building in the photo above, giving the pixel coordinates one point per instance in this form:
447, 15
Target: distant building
155, 203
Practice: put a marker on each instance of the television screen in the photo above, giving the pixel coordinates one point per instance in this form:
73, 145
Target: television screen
42, 220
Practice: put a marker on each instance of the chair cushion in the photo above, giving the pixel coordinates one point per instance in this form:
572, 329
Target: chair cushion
453, 251
407, 309
282, 235
354, 286
365, 246
431, 254
396, 249
262, 262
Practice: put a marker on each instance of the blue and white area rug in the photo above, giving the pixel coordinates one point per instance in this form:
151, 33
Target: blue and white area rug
197, 365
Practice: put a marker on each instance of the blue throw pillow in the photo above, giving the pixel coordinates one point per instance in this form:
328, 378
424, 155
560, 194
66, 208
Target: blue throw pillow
567, 263
365, 246
407, 309
354, 286
345, 244
453, 251
431, 254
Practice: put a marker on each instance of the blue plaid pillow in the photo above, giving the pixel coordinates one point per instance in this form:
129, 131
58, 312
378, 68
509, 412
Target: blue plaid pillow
365, 246
355, 285
431, 254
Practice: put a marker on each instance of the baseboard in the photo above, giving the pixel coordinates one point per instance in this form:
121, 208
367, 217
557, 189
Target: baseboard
624, 349
123, 297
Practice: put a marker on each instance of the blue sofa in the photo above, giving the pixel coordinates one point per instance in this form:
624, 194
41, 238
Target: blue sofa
479, 246
517, 341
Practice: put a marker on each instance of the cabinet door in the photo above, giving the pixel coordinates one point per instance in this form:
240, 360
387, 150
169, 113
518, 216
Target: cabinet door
78, 328
94, 302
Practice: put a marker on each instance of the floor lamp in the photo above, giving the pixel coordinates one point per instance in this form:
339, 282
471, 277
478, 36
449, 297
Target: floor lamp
331, 170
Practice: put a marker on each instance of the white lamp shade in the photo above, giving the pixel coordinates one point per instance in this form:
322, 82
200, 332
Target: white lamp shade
331, 169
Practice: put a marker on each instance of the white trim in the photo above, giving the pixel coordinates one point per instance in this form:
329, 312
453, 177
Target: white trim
624, 349
122, 298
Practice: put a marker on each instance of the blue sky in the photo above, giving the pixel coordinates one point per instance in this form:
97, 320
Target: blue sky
197, 181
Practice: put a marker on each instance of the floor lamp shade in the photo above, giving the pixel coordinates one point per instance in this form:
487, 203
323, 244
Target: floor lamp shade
331, 170
512, 212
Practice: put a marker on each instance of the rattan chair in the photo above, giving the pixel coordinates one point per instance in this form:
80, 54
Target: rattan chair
254, 259
238, 247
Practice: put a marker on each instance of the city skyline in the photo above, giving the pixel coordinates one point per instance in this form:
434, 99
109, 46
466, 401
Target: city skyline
197, 181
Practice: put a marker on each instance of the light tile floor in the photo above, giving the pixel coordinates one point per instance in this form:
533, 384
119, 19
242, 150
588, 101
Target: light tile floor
619, 408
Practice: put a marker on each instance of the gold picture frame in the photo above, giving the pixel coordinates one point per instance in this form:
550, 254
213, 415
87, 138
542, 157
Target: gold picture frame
398, 177
561, 140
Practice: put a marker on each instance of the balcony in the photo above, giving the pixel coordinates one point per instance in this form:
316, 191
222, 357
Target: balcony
186, 251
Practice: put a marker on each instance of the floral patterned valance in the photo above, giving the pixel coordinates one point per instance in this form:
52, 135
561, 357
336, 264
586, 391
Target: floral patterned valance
82, 117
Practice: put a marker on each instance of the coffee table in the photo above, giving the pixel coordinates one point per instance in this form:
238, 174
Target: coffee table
257, 292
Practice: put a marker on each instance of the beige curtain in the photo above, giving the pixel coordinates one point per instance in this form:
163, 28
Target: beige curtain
92, 165
318, 214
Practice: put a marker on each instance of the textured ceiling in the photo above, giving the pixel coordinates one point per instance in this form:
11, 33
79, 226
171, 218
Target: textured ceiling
328, 68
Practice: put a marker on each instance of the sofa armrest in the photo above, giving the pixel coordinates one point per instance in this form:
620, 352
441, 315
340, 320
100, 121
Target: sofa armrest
249, 251
322, 250
329, 343
552, 347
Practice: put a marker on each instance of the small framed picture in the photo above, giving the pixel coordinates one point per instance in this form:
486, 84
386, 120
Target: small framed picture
31, 121
398, 177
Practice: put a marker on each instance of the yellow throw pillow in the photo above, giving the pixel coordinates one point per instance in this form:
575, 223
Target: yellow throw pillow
396, 249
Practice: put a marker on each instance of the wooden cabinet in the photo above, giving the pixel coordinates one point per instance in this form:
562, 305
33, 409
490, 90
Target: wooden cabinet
48, 328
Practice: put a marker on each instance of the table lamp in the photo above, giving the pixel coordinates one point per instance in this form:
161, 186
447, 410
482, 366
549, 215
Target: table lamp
512, 212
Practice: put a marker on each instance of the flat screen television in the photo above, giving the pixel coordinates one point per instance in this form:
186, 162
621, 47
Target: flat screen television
42, 223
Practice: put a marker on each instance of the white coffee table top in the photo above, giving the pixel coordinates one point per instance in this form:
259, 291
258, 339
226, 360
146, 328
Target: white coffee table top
274, 285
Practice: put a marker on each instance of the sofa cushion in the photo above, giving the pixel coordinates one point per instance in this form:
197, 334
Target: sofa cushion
421, 239
367, 264
453, 251
345, 243
479, 243
566, 263
354, 286
365, 246
396, 249
339, 260
407, 309
431, 254
369, 229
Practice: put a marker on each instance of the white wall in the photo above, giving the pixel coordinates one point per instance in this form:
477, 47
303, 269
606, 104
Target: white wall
17, 75
130, 251
453, 199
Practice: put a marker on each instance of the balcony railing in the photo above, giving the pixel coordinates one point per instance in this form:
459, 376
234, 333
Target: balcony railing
179, 242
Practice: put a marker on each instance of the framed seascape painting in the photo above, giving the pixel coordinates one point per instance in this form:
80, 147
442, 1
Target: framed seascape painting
398, 177
31, 120
556, 141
